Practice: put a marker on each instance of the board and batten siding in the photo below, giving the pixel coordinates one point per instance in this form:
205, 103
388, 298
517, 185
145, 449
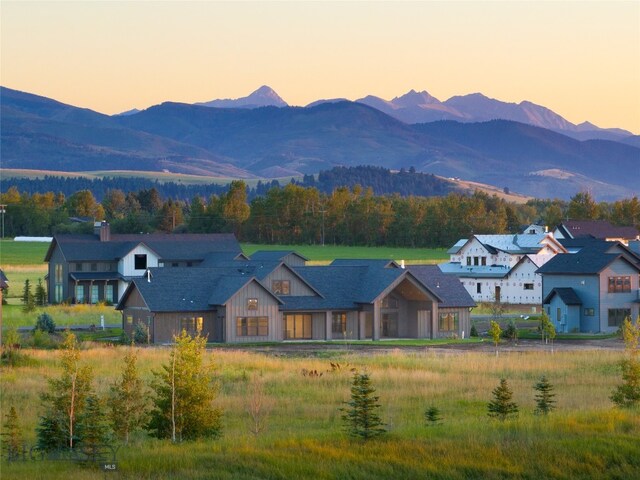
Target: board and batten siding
296, 286
267, 307
57, 258
126, 265
134, 311
166, 325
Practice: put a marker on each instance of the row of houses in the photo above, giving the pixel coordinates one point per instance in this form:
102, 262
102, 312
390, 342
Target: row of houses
205, 283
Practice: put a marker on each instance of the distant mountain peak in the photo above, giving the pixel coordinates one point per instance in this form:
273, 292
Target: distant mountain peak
264, 96
413, 99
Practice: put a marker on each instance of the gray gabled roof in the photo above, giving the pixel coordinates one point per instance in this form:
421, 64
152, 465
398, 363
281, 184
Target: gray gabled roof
567, 295
373, 262
85, 248
447, 287
589, 261
275, 255
3, 280
192, 289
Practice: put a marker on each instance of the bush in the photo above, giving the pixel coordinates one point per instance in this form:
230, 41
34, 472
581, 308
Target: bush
45, 323
141, 334
474, 331
42, 339
511, 332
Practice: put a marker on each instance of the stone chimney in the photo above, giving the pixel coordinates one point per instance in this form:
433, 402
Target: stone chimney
103, 230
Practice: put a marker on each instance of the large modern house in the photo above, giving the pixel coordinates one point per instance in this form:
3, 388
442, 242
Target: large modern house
273, 297
600, 229
593, 289
503, 267
99, 267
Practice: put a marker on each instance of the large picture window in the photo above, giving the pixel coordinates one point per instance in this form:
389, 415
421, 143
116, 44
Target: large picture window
94, 294
252, 326
617, 316
448, 322
108, 293
79, 293
620, 284
297, 326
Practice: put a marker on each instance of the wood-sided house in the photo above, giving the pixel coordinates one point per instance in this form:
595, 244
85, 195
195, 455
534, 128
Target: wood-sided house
270, 300
99, 267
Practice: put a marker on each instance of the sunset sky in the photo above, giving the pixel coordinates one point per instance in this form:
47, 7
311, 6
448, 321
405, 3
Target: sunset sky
579, 58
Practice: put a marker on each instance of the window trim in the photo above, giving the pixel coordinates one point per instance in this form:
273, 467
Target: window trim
339, 319
252, 304
281, 287
446, 320
137, 259
619, 284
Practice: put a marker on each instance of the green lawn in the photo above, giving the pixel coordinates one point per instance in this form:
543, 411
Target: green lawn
13, 316
22, 253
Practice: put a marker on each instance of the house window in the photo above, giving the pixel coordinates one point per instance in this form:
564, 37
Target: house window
188, 325
58, 273
448, 322
252, 304
476, 261
94, 293
468, 261
78, 267
94, 267
617, 316
389, 302
129, 319
108, 293
478, 287
619, 284
174, 264
339, 323
58, 293
79, 293
252, 326
140, 261
589, 312
280, 287
199, 324
58, 283
484, 261
297, 326
189, 264
528, 286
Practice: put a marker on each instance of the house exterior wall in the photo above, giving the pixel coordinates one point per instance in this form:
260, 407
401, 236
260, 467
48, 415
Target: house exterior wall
587, 289
464, 322
617, 300
565, 318
294, 260
166, 325
267, 307
297, 287
57, 258
126, 265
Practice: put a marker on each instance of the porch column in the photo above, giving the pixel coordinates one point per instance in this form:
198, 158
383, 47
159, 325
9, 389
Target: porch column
434, 320
75, 291
362, 324
376, 320
327, 325
90, 292
104, 292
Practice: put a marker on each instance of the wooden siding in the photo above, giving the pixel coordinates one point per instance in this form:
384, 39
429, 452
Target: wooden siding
617, 300
58, 258
294, 260
167, 325
267, 307
296, 286
126, 265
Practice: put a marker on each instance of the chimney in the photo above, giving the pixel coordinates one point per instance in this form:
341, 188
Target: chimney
104, 231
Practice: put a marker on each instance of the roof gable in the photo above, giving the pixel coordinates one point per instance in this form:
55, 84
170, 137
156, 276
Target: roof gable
567, 295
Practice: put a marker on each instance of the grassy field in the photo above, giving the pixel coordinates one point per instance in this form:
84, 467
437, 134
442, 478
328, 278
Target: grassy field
63, 315
584, 438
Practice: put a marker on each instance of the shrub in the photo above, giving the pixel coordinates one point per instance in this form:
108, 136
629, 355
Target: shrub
474, 331
544, 397
501, 407
45, 323
511, 332
141, 333
432, 416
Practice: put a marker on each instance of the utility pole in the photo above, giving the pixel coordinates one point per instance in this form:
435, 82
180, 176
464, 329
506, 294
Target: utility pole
3, 209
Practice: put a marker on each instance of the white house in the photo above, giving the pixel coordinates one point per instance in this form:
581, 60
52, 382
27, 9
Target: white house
502, 267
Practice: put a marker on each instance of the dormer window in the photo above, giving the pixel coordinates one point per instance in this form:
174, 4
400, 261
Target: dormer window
140, 261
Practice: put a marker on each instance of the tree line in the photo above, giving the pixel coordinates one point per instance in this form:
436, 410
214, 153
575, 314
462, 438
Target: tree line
295, 214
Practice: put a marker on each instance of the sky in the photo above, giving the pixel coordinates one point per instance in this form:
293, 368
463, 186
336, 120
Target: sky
579, 58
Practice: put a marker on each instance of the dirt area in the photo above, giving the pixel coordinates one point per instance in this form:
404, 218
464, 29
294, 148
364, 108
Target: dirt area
302, 349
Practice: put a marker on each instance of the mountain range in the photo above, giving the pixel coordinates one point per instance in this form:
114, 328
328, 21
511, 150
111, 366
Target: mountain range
248, 140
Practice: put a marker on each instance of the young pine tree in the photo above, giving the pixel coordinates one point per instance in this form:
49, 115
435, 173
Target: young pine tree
184, 394
40, 298
501, 407
27, 299
432, 415
94, 431
128, 400
361, 417
65, 400
544, 397
12, 437
627, 395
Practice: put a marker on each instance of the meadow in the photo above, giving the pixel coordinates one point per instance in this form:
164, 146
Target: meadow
584, 438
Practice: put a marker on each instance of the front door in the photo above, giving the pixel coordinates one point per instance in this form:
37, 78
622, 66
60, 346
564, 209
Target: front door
497, 294
390, 324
